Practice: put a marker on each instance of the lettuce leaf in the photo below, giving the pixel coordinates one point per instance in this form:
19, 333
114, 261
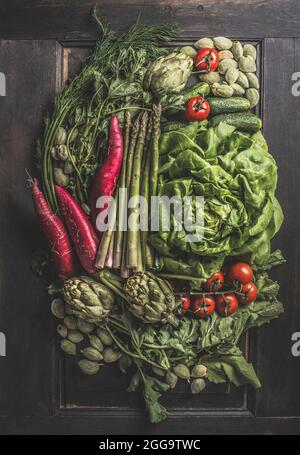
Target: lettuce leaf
233, 369
237, 177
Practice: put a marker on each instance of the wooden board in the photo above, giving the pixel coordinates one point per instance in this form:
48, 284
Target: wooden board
39, 391
64, 21
31, 69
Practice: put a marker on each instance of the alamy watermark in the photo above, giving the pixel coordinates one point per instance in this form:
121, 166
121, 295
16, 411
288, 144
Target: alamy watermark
165, 214
295, 344
296, 86
2, 345
2, 84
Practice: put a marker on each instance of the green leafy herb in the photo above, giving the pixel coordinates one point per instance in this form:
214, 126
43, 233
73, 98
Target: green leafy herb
110, 82
276, 258
153, 389
213, 342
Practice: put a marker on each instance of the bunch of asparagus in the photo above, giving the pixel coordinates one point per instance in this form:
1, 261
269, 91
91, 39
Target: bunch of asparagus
129, 249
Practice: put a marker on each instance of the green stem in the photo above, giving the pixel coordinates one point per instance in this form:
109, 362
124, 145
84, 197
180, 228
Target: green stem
146, 250
110, 253
127, 108
133, 231
122, 197
200, 292
106, 282
118, 326
156, 346
172, 276
140, 264
124, 268
60, 113
155, 149
132, 144
106, 239
96, 129
131, 354
115, 279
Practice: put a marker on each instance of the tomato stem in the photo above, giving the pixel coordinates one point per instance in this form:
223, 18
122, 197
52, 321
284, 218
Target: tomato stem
225, 292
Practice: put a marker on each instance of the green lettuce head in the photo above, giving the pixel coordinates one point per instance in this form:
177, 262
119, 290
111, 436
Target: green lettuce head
237, 176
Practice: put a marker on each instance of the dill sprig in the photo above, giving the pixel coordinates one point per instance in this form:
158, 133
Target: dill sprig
110, 82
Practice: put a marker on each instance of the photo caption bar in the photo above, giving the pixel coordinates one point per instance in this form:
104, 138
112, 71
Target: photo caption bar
131, 446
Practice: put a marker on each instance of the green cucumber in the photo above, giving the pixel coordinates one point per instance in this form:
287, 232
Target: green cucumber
176, 102
200, 89
245, 121
172, 126
228, 105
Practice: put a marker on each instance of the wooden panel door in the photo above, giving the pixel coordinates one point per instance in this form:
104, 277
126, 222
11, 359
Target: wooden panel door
41, 391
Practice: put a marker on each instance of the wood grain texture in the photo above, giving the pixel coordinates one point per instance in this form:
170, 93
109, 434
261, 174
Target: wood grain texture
34, 70
107, 390
178, 426
277, 368
65, 20
26, 374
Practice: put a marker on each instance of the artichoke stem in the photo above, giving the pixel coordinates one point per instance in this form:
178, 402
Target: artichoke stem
171, 319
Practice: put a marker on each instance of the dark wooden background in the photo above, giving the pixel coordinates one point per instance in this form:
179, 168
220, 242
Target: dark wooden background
42, 44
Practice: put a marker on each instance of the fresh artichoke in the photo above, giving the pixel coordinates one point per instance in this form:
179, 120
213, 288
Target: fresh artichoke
168, 74
88, 299
150, 298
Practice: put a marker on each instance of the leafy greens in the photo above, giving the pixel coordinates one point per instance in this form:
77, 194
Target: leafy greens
237, 176
213, 342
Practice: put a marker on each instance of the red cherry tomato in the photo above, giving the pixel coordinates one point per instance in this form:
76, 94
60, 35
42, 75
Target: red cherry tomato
214, 283
197, 109
203, 306
207, 59
249, 292
240, 272
185, 305
226, 304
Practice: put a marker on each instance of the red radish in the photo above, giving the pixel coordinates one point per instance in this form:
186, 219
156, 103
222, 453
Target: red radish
81, 231
55, 233
106, 178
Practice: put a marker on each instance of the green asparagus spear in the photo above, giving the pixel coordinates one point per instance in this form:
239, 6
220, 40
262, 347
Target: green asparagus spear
147, 143
153, 184
146, 251
140, 266
130, 155
121, 214
155, 149
110, 252
106, 239
133, 233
